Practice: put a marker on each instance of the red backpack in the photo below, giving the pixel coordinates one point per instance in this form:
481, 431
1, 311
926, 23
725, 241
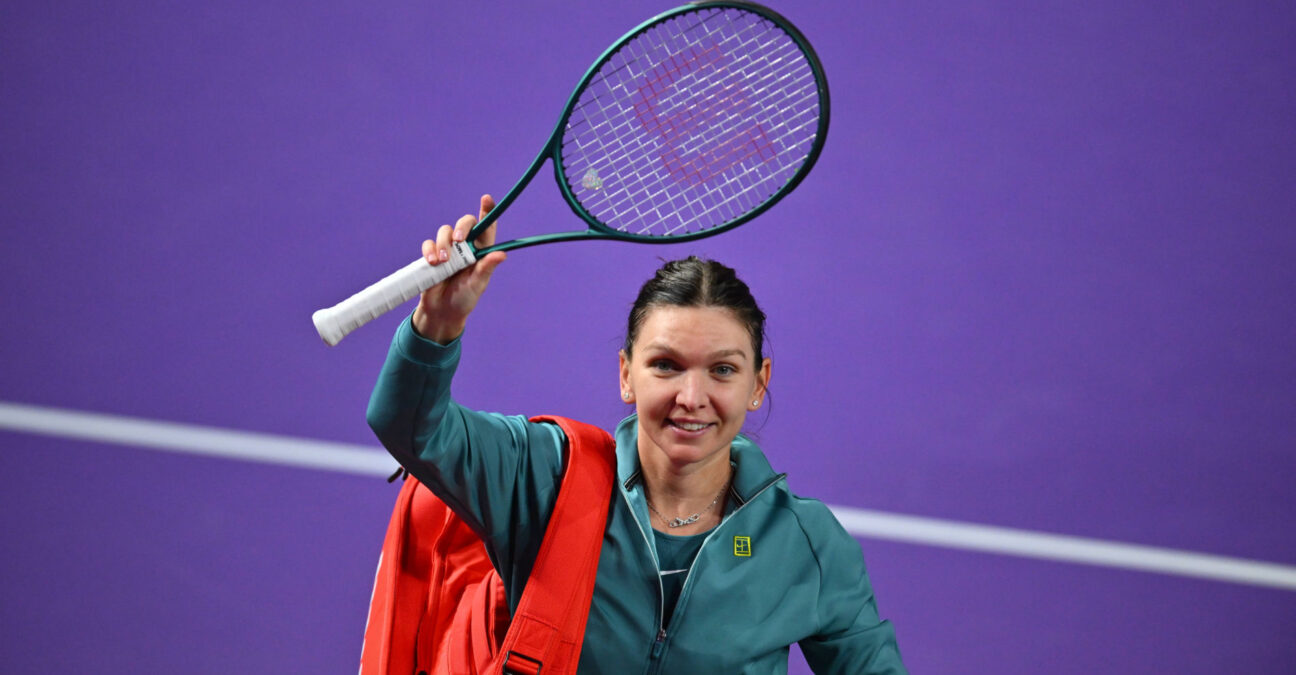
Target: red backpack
438, 605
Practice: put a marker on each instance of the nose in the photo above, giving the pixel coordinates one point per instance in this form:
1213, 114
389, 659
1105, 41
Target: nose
692, 393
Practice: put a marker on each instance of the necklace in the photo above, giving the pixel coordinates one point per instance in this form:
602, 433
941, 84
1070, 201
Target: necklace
688, 520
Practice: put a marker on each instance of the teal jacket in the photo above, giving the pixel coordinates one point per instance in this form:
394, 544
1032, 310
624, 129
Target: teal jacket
779, 569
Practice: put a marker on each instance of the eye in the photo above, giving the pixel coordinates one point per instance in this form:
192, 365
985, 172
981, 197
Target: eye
662, 365
724, 370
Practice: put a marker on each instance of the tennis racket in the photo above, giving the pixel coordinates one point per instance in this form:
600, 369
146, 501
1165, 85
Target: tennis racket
691, 124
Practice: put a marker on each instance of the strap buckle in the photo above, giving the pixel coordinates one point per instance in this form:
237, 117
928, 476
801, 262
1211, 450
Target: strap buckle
524, 665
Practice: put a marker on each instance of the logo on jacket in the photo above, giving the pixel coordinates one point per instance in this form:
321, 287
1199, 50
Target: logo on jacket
742, 547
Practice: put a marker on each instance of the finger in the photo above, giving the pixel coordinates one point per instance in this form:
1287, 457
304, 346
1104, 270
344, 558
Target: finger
442, 246
485, 267
463, 226
429, 251
492, 260
487, 238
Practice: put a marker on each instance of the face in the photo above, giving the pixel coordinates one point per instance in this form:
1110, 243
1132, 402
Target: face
692, 378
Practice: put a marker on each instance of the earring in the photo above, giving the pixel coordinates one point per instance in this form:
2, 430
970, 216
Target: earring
625, 395
756, 403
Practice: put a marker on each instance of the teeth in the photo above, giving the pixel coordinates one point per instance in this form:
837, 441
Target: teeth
691, 426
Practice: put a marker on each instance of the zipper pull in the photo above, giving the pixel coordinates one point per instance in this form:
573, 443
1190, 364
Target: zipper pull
659, 643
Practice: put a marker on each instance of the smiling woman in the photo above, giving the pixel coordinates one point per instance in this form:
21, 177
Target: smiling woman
708, 563
693, 368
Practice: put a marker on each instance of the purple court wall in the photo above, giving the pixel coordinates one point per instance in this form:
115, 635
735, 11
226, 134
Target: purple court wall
1041, 279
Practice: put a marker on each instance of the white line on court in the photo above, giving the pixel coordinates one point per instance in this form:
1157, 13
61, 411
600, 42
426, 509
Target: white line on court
365, 460
197, 440
1065, 548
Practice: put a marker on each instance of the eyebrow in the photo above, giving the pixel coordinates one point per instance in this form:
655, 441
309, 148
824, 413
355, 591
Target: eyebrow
719, 354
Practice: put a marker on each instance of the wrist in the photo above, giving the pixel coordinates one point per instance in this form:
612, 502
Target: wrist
439, 331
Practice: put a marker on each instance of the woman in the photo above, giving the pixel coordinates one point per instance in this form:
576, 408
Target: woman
709, 564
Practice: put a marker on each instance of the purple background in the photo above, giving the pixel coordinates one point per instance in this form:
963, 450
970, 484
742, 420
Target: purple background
1041, 278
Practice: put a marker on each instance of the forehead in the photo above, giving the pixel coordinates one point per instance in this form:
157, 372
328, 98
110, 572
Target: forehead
700, 329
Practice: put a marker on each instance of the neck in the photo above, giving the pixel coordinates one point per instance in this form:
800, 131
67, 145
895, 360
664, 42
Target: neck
684, 493
684, 481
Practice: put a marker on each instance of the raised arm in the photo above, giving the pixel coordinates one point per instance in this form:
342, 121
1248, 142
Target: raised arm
499, 473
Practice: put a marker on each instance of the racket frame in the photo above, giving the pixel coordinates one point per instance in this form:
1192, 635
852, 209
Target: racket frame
552, 148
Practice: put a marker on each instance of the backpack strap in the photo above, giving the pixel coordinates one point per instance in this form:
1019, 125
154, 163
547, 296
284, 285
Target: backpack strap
548, 626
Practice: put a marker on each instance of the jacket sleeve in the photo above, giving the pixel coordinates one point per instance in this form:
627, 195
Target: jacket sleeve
853, 639
499, 473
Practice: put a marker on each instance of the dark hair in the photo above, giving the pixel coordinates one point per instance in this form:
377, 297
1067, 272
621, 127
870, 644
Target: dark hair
693, 282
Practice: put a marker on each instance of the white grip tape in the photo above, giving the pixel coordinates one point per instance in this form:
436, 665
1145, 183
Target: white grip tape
336, 322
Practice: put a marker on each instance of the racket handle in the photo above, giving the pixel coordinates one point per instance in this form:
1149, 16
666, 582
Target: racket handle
336, 322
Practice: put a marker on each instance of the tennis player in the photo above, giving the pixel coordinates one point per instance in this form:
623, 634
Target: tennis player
709, 563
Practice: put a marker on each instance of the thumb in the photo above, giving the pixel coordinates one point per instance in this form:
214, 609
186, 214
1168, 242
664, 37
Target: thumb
486, 266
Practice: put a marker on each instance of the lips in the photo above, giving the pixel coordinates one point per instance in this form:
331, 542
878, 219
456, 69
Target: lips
691, 427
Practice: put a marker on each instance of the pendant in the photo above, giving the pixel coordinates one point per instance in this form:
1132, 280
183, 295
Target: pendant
681, 522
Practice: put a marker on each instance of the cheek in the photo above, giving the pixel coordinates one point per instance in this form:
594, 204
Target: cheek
647, 396
744, 393
736, 409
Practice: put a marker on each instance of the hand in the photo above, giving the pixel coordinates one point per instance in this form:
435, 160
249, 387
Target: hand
443, 309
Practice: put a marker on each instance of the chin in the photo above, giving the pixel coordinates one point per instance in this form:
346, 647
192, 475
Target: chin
689, 453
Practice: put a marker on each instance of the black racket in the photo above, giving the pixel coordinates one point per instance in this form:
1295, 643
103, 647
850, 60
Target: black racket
693, 123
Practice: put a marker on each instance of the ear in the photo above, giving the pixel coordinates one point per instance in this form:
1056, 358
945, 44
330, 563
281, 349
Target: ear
762, 385
627, 391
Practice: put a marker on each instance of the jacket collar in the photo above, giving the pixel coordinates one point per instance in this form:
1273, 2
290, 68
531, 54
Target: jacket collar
752, 472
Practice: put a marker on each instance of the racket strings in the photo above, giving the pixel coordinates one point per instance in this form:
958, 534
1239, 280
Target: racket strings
692, 124
682, 90
670, 105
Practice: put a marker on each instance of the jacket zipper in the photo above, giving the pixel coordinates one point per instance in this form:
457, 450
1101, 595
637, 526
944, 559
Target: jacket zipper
659, 643
705, 542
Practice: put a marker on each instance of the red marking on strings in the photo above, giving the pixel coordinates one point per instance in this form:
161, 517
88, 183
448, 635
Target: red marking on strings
697, 113
700, 167
664, 77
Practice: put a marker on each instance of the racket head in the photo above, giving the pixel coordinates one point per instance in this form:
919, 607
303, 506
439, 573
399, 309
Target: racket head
693, 123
